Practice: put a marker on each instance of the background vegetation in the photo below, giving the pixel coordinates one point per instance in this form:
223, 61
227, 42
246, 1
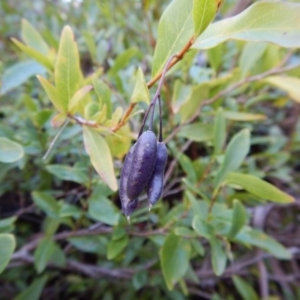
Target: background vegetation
228, 224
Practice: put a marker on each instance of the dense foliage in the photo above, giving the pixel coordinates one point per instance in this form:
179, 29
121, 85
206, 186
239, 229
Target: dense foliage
76, 78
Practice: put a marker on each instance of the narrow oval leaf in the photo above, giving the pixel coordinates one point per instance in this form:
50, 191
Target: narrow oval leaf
255, 24
259, 187
67, 68
219, 131
68, 173
204, 12
218, 256
140, 92
115, 247
10, 151
175, 29
52, 93
8, 244
202, 227
19, 73
198, 132
33, 38
100, 156
288, 84
251, 54
250, 236
43, 254
46, 203
245, 290
235, 154
39, 57
101, 209
174, 259
244, 117
239, 216
34, 291
79, 95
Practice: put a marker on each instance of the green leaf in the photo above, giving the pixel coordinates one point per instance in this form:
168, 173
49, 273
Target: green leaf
100, 156
101, 209
77, 97
288, 84
174, 259
184, 231
235, 154
259, 187
68, 173
34, 291
255, 24
199, 93
7, 222
218, 256
202, 227
175, 29
90, 244
239, 217
104, 95
43, 253
67, 68
250, 56
250, 236
198, 247
19, 73
204, 12
32, 38
245, 289
244, 117
123, 59
181, 94
51, 92
46, 203
8, 244
140, 279
115, 247
10, 151
197, 132
219, 132
140, 92
39, 57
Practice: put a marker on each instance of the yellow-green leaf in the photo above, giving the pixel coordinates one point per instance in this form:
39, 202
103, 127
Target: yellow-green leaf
140, 92
33, 38
8, 244
51, 92
67, 68
204, 12
291, 85
268, 21
174, 31
259, 187
36, 55
99, 152
242, 116
79, 95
